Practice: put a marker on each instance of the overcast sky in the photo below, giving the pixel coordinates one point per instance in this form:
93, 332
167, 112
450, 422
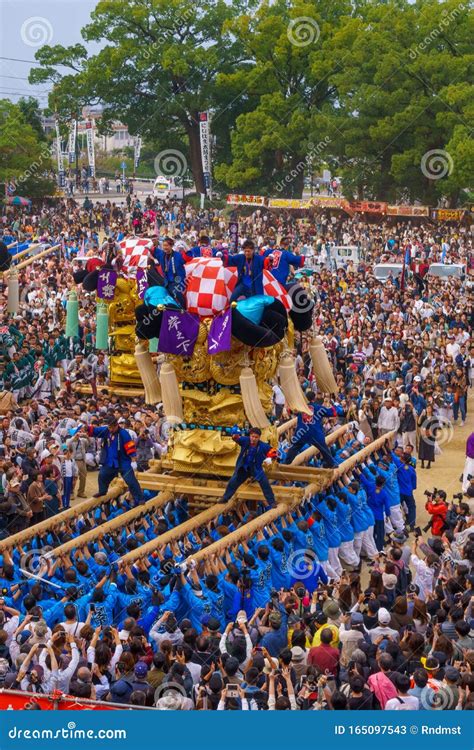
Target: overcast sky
27, 24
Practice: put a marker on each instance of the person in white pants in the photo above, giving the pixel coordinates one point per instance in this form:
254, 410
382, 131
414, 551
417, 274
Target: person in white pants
368, 543
348, 554
334, 562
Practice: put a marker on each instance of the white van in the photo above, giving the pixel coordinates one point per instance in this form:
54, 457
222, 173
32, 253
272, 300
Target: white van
447, 271
384, 271
345, 254
165, 188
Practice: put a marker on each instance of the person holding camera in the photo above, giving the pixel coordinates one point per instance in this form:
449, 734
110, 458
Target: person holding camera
437, 507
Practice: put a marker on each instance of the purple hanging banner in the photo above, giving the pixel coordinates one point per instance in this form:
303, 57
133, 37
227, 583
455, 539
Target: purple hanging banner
178, 333
142, 282
219, 336
106, 284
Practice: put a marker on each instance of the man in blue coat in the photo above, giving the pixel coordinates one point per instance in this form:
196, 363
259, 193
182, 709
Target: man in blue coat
250, 271
309, 431
116, 457
171, 264
253, 453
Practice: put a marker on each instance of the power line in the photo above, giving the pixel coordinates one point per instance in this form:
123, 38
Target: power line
18, 59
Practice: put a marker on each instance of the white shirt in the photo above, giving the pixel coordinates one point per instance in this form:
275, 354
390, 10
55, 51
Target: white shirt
423, 576
388, 418
403, 703
278, 395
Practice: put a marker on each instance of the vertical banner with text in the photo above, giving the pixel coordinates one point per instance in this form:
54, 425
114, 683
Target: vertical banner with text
90, 147
59, 156
71, 144
205, 148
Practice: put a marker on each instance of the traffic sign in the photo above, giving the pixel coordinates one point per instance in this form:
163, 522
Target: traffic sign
123, 165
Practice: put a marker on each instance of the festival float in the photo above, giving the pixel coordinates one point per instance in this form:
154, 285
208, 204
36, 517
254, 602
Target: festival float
209, 363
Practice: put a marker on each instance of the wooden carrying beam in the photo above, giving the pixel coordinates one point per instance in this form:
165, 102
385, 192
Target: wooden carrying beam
173, 534
358, 457
286, 426
22, 253
249, 529
181, 486
29, 261
312, 451
244, 532
117, 488
115, 523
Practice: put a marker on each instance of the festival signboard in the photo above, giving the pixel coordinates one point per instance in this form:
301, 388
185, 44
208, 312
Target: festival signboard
408, 211
288, 203
327, 201
448, 214
368, 207
246, 200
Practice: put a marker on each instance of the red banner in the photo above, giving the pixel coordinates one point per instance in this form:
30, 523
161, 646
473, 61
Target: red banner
368, 207
16, 700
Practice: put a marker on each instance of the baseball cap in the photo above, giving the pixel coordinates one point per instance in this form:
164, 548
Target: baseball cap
384, 616
141, 669
357, 618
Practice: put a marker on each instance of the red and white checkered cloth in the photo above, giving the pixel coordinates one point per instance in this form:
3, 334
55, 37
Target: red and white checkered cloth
136, 251
273, 288
209, 286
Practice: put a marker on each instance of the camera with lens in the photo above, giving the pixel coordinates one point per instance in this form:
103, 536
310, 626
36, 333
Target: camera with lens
458, 496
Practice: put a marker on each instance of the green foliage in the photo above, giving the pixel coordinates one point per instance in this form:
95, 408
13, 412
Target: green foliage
24, 158
367, 88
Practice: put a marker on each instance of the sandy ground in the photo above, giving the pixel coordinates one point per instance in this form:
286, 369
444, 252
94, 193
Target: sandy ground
443, 474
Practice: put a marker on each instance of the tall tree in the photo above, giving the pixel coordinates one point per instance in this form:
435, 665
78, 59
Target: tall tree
32, 113
285, 72
404, 101
155, 71
25, 161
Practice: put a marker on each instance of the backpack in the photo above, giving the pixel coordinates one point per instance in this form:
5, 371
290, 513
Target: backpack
403, 581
